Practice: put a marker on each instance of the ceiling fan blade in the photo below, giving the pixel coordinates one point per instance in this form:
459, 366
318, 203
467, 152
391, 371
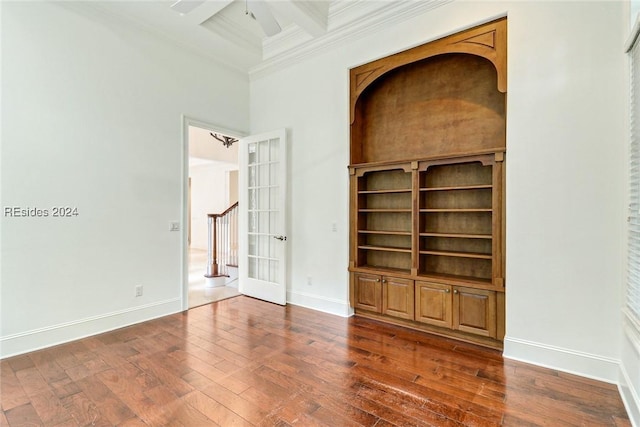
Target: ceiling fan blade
186, 6
263, 15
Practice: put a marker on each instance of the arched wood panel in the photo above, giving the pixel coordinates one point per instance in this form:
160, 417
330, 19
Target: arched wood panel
447, 105
488, 41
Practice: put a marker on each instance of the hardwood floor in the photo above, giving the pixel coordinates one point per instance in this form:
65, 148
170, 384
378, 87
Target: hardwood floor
243, 362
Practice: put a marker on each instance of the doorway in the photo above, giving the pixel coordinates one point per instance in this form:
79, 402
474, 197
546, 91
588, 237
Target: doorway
211, 187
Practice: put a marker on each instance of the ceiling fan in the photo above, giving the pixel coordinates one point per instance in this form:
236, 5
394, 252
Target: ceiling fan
256, 9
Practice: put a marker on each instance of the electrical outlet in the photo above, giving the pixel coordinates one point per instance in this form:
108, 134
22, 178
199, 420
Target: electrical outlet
139, 291
309, 281
334, 226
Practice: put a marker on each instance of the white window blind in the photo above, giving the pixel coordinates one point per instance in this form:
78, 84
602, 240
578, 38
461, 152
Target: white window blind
633, 276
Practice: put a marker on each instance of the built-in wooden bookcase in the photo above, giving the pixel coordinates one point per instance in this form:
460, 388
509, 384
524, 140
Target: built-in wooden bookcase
384, 223
456, 220
428, 139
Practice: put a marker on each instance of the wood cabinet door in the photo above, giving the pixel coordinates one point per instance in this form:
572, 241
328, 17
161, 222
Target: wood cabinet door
433, 304
474, 311
397, 297
368, 292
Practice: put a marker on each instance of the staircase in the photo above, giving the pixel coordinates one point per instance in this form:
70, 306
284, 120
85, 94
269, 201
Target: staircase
222, 248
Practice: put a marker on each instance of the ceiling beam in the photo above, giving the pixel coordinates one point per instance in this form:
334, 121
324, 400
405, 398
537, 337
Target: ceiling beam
311, 16
205, 10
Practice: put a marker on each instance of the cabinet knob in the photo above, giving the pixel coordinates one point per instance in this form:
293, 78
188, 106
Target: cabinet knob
446, 291
377, 280
384, 280
455, 291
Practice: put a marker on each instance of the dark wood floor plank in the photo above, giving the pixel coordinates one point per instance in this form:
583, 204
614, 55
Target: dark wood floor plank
214, 411
11, 392
133, 422
171, 380
50, 408
83, 410
452, 406
24, 415
31, 381
19, 363
87, 368
109, 405
236, 403
319, 383
245, 362
48, 367
65, 387
396, 403
132, 392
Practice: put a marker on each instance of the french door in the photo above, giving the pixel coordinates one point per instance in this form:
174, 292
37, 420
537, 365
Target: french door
262, 201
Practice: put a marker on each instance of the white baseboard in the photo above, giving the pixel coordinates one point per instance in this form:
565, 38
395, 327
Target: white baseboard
629, 376
36, 339
574, 362
315, 302
629, 396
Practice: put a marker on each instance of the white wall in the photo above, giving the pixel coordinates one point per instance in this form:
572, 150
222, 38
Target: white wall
565, 170
92, 119
210, 193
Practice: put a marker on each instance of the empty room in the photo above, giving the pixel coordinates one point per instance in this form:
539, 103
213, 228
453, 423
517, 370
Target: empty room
417, 212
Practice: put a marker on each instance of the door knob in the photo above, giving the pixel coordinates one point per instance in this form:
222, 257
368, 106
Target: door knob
281, 238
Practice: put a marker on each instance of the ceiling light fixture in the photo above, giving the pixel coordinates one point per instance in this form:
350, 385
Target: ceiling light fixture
227, 141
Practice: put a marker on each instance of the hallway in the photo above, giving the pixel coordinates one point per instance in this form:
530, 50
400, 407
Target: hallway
199, 292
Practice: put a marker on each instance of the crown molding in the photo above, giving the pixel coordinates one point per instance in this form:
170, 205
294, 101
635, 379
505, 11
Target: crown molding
348, 19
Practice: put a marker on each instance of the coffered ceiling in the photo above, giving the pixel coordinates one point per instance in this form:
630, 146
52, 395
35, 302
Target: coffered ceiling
230, 31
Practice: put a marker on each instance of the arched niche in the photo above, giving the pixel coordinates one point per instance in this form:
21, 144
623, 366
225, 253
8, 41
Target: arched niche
445, 98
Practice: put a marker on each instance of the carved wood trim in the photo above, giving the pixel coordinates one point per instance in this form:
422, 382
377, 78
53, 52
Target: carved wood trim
487, 41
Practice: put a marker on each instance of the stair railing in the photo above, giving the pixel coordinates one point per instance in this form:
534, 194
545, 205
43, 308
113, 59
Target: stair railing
222, 241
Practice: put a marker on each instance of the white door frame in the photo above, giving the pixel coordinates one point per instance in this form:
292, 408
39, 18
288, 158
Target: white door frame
187, 121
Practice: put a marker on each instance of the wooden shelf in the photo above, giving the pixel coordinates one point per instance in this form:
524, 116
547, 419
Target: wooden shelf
376, 269
381, 232
455, 210
385, 249
398, 190
458, 187
458, 235
458, 254
385, 210
456, 280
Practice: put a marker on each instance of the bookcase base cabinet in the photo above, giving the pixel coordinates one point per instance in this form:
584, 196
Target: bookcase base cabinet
469, 314
385, 295
455, 307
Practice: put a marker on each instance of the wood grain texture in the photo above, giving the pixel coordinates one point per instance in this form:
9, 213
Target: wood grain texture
244, 362
487, 41
443, 106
